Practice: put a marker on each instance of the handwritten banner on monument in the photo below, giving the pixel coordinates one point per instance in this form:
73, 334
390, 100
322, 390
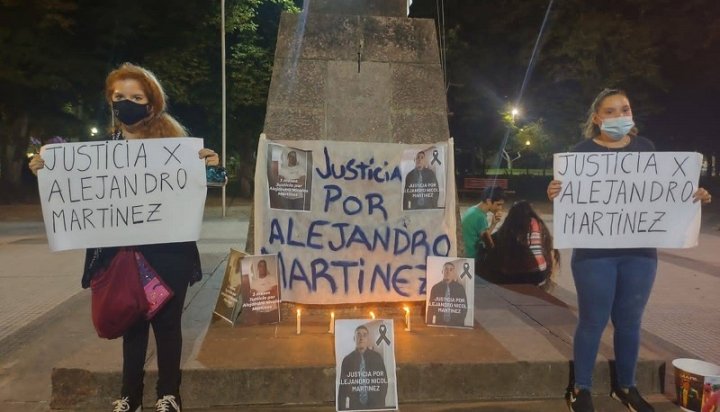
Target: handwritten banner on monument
122, 192
340, 219
626, 200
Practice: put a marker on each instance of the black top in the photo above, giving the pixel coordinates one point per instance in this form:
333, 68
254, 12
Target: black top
439, 291
178, 264
350, 374
637, 144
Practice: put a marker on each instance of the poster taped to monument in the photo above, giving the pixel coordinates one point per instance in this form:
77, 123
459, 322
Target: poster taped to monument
122, 192
341, 220
451, 299
365, 365
626, 200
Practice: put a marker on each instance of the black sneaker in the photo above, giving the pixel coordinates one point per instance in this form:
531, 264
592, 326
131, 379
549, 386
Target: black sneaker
124, 404
580, 401
168, 403
632, 400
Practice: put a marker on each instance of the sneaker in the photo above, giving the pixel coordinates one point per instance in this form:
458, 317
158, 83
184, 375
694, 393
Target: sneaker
580, 401
167, 403
124, 405
632, 400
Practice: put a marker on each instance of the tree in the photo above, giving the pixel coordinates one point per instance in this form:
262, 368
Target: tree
523, 138
536, 140
663, 53
56, 53
40, 80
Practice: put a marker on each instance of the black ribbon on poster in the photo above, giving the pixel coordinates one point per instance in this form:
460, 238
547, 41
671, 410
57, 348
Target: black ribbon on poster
383, 335
466, 271
435, 158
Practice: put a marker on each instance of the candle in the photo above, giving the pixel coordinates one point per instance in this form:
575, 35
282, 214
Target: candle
372, 314
407, 318
297, 327
332, 323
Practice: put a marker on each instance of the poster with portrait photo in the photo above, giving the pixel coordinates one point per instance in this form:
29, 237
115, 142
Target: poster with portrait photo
289, 177
259, 290
424, 176
451, 297
229, 302
365, 365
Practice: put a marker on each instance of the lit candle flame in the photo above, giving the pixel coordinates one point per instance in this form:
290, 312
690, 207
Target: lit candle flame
407, 318
372, 314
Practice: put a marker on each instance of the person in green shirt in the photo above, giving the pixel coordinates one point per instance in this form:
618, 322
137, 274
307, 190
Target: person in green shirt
476, 229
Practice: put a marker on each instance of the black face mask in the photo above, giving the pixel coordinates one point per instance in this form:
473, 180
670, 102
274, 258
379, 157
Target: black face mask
129, 112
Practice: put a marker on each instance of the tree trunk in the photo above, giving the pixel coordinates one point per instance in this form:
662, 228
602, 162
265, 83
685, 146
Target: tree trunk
13, 155
510, 161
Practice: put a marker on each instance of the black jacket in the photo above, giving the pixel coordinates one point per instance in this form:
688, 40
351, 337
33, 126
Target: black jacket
376, 384
175, 263
458, 307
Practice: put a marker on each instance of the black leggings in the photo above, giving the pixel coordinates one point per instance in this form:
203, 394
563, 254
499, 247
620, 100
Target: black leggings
168, 337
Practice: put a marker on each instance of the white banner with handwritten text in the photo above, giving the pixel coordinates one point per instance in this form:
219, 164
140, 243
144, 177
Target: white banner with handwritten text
626, 200
122, 192
354, 222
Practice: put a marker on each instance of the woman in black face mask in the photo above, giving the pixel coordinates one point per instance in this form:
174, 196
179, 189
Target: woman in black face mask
139, 112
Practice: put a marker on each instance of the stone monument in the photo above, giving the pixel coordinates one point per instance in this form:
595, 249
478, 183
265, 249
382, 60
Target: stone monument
356, 70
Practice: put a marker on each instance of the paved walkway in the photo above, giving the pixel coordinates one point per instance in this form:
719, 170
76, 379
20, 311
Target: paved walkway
34, 280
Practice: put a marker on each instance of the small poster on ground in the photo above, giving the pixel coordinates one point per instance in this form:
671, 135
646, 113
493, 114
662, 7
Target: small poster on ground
452, 293
227, 306
249, 294
365, 365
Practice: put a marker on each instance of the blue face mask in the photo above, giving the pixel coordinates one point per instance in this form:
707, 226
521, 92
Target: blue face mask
617, 127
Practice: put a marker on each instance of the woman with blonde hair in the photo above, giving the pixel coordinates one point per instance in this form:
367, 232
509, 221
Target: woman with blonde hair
611, 284
139, 111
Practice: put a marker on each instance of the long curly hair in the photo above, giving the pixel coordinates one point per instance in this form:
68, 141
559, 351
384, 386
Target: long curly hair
159, 123
512, 237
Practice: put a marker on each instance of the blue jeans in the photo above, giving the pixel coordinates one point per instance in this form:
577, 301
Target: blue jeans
613, 287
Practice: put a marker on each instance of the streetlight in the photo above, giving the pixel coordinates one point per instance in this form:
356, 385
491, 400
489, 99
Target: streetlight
527, 143
93, 131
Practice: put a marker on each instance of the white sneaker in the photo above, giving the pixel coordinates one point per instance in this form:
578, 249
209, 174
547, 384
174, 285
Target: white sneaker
123, 405
167, 403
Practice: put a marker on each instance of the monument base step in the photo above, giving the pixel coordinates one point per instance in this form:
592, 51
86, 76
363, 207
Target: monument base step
520, 349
